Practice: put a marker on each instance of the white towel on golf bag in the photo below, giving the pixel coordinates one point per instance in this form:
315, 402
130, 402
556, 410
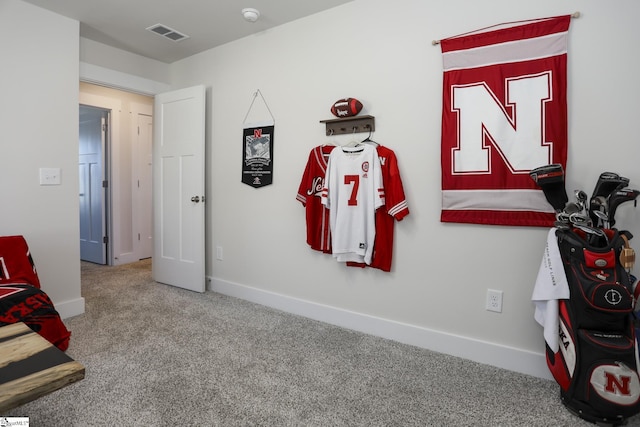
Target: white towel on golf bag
551, 286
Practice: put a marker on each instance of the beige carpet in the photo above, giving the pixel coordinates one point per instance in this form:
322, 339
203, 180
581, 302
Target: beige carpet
161, 356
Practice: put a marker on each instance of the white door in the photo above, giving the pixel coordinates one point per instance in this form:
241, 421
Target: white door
143, 187
178, 188
92, 133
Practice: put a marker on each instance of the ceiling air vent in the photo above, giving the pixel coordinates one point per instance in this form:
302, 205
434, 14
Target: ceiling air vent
167, 32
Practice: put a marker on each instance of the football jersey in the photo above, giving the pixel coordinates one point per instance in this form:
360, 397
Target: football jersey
394, 209
353, 191
309, 194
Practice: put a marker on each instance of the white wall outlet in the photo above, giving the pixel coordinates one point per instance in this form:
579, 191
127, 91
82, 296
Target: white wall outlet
494, 300
50, 176
219, 253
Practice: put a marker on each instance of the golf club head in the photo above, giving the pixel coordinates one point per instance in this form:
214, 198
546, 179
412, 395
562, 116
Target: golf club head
595, 236
619, 197
578, 218
562, 217
603, 219
550, 178
607, 183
581, 199
598, 208
581, 196
571, 208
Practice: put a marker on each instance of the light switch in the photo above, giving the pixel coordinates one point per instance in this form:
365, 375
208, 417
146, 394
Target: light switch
50, 176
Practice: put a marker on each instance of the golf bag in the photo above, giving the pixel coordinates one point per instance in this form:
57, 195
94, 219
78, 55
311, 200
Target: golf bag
590, 335
597, 362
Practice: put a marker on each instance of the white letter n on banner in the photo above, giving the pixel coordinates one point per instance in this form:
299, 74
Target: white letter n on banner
517, 136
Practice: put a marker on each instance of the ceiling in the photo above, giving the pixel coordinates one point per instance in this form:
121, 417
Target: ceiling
208, 23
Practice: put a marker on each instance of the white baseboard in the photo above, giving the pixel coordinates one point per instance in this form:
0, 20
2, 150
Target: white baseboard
510, 358
71, 308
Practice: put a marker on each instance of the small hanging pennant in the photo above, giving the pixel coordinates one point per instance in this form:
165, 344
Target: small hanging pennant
257, 149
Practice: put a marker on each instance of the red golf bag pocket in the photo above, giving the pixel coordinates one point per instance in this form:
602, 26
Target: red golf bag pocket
599, 259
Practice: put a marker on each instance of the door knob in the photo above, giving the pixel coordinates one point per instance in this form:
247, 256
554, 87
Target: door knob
195, 199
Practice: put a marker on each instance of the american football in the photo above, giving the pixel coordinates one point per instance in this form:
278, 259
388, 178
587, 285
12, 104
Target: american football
346, 107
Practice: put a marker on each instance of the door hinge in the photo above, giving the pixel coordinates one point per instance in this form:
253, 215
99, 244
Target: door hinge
104, 127
105, 184
138, 236
105, 239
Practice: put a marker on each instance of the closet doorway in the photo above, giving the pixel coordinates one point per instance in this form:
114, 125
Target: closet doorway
119, 148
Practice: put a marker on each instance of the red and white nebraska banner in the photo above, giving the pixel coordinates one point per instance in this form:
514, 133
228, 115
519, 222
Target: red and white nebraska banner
504, 113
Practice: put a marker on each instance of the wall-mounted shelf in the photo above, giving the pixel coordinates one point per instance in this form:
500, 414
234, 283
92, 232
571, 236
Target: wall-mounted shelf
355, 124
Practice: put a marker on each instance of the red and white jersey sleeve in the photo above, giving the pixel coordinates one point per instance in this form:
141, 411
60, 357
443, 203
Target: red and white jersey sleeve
395, 209
395, 200
353, 191
309, 194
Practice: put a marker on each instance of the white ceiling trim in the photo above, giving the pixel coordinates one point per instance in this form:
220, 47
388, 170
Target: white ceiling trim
90, 73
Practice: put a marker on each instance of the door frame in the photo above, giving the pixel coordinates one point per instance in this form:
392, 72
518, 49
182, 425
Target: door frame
121, 201
98, 75
136, 160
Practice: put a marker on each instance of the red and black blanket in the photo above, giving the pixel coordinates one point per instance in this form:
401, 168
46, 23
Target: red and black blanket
21, 299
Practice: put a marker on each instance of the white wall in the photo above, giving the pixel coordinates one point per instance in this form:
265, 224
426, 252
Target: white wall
101, 63
39, 128
380, 52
